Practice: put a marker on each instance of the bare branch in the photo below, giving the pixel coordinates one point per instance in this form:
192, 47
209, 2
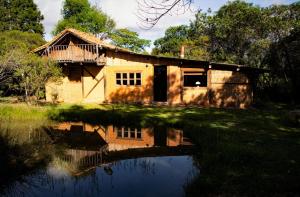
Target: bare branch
149, 12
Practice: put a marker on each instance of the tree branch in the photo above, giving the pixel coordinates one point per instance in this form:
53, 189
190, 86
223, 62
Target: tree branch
149, 12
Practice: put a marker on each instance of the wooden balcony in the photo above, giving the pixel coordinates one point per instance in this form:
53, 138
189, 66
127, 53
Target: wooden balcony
84, 53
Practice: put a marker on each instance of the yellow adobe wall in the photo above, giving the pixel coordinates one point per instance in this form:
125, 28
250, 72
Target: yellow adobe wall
224, 88
230, 89
122, 93
127, 93
174, 85
93, 82
195, 95
70, 88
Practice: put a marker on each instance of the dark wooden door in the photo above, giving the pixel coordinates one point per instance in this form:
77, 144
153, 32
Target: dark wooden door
160, 83
160, 136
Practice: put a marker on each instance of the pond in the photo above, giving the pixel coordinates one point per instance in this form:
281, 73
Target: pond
119, 154
81, 159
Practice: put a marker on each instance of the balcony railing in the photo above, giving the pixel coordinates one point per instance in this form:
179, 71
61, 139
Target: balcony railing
76, 53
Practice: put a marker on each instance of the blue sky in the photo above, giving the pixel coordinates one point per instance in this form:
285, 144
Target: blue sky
124, 13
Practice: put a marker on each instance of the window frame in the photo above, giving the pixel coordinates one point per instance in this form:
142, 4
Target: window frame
137, 133
128, 78
194, 72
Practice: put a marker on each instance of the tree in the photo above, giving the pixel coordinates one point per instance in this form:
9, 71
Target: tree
234, 28
20, 15
22, 71
282, 20
34, 73
170, 44
14, 44
17, 39
283, 58
175, 37
130, 40
79, 14
242, 33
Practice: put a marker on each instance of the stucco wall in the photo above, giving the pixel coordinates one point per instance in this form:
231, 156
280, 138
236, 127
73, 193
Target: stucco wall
224, 88
69, 89
75, 88
230, 89
174, 85
93, 82
195, 95
124, 93
126, 63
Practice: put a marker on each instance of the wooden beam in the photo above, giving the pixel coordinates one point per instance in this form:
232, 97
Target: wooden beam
82, 81
98, 81
94, 77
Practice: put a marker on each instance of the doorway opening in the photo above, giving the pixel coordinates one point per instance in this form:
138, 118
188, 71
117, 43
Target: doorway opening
160, 83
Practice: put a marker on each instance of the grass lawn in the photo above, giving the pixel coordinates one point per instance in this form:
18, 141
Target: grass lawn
241, 152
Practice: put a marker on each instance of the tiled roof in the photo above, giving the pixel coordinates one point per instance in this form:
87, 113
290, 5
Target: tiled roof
84, 36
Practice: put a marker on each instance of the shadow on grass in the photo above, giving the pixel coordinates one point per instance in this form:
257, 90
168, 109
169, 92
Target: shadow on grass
116, 116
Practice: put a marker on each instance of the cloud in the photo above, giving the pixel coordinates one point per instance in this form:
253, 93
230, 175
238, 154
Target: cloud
124, 13
51, 9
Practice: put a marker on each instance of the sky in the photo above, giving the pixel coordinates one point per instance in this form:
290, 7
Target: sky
124, 14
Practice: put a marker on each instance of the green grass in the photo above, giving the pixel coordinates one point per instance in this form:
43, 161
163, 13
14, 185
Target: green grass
22, 112
240, 152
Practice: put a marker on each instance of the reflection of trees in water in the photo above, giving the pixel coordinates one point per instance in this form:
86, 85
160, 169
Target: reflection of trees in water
36, 183
144, 165
23, 149
27, 184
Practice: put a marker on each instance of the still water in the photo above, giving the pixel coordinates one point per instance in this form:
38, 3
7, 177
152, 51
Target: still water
80, 159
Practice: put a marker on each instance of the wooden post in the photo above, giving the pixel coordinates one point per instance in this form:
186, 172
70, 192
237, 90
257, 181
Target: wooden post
97, 52
82, 80
48, 51
209, 86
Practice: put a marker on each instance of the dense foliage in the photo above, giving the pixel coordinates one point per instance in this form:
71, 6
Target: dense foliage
20, 15
79, 14
21, 71
243, 33
130, 40
171, 42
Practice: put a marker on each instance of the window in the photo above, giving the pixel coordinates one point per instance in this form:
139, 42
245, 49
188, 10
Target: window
194, 79
129, 133
131, 78
138, 78
125, 80
119, 132
126, 133
118, 78
132, 133
138, 134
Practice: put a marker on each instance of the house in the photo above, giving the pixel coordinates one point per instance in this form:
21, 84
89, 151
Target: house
95, 71
87, 146
116, 138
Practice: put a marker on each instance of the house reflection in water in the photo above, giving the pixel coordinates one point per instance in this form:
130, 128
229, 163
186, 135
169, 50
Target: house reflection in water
87, 146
